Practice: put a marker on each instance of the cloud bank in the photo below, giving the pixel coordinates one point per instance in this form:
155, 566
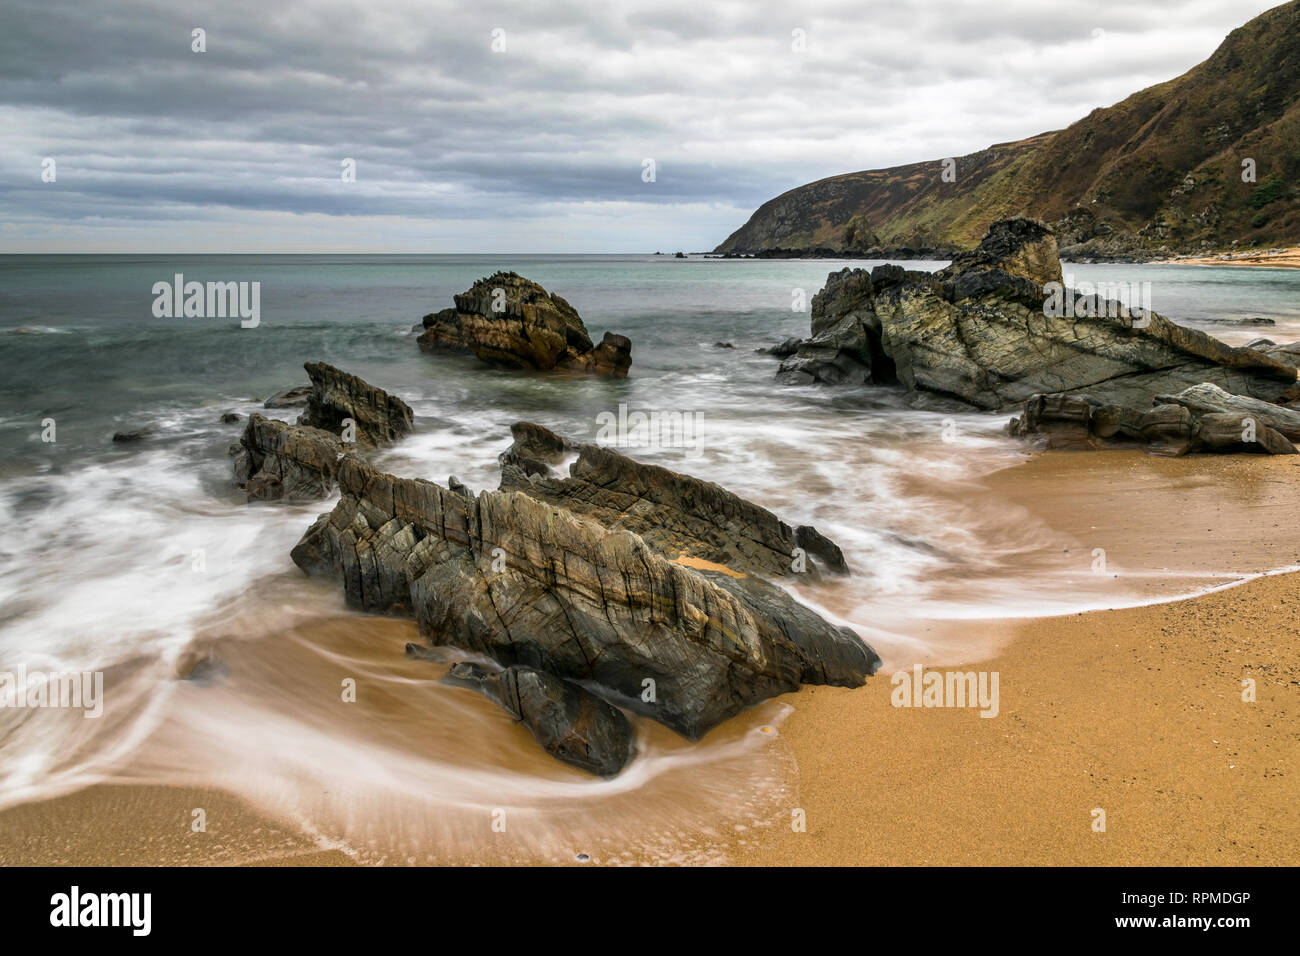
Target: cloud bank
524, 127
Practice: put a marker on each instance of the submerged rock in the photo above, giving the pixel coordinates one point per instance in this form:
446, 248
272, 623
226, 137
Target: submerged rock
380, 418
784, 349
134, 435
507, 320
295, 397
997, 327
528, 583
202, 669
1250, 321
570, 723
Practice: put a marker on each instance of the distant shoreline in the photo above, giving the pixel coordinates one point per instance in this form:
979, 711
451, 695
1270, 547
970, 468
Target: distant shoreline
1288, 258
1272, 259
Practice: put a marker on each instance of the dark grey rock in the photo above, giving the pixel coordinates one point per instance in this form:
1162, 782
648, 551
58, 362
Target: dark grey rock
276, 461
380, 418
527, 582
983, 332
570, 723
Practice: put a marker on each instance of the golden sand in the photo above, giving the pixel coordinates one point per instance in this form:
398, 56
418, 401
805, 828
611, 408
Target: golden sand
1138, 713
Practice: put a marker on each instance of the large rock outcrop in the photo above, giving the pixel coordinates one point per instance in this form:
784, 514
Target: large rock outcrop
527, 583
999, 329
991, 331
507, 320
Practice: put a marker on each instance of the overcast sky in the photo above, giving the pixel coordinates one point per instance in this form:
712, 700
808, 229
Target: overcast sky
537, 147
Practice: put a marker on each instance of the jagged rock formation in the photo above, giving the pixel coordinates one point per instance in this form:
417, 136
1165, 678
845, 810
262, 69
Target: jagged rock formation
380, 418
997, 328
570, 724
1158, 173
846, 342
675, 514
990, 331
527, 583
507, 320
275, 461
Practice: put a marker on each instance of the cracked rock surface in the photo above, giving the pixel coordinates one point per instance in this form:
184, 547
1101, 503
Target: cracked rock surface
278, 461
979, 334
527, 582
509, 321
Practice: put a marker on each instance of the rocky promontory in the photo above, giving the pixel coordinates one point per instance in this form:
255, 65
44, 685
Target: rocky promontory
512, 322
998, 329
1198, 164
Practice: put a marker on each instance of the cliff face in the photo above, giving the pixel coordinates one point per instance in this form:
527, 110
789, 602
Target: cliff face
1159, 172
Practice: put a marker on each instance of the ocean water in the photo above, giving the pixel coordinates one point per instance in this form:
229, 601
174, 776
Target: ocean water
133, 558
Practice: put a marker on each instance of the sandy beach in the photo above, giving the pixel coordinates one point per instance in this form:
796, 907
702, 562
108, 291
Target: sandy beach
1137, 712
1288, 258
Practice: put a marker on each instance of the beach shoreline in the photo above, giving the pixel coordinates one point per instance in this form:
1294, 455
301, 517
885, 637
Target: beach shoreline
1136, 711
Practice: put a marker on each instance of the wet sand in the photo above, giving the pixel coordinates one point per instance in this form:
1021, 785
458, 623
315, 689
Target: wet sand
1137, 712
144, 825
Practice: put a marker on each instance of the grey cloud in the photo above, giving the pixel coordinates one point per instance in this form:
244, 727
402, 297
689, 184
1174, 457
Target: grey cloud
554, 129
